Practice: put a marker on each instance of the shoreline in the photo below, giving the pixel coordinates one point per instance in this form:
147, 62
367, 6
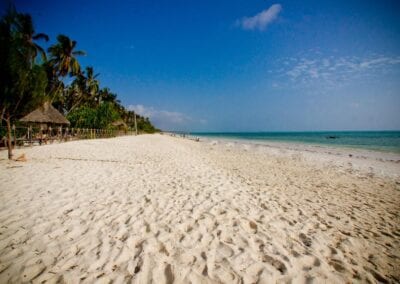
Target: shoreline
386, 163
272, 143
154, 208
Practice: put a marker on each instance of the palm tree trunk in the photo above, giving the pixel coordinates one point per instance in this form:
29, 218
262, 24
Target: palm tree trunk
2, 114
54, 89
72, 108
9, 143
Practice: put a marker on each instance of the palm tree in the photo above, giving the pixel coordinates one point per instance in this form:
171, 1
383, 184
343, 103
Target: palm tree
92, 85
83, 90
26, 34
61, 63
105, 95
63, 57
22, 83
75, 93
55, 86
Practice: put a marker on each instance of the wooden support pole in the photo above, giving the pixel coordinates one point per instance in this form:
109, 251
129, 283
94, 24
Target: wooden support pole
50, 133
9, 144
15, 137
30, 134
41, 135
27, 133
135, 124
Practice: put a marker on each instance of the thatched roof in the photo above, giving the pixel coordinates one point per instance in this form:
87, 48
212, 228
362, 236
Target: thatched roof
119, 123
45, 114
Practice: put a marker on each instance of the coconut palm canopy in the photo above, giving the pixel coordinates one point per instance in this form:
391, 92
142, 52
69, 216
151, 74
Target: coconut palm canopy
45, 114
25, 80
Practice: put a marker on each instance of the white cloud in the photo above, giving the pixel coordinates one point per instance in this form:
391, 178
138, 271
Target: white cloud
314, 73
334, 70
262, 19
141, 110
166, 120
379, 62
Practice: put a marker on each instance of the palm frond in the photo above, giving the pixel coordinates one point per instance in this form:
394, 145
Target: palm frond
79, 52
41, 51
41, 36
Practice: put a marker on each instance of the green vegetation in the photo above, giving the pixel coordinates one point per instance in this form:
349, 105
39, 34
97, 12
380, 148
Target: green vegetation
90, 117
144, 125
30, 77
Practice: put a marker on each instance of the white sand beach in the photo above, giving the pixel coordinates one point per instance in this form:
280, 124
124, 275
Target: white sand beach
160, 209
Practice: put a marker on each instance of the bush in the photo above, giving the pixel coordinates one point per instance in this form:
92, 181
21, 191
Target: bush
144, 125
99, 118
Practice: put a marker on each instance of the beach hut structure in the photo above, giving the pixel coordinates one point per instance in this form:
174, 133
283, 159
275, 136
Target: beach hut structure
119, 124
46, 117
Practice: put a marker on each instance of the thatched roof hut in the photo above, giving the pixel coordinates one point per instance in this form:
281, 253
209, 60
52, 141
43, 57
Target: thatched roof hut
46, 114
120, 124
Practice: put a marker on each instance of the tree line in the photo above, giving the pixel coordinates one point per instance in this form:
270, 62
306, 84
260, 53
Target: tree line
31, 75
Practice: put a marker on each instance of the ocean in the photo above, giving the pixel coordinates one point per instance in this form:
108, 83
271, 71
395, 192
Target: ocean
387, 141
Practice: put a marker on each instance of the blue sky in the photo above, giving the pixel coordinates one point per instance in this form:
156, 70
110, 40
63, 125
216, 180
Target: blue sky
240, 65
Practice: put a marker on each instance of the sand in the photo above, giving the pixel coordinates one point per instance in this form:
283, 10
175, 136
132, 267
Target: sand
160, 209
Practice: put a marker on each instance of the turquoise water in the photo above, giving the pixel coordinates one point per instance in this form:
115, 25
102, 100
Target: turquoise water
388, 141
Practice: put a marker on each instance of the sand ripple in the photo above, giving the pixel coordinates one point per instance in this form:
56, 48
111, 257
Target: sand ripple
160, 209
